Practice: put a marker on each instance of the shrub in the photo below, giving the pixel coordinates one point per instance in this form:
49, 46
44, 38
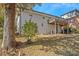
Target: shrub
29, 29
1, 26
74, 30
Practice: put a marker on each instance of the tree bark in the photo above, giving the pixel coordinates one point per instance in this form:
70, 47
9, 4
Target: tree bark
9, 27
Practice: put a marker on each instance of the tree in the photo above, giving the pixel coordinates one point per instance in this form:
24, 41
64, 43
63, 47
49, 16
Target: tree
1, 20
9, 29
29, 29
9, 24
1, 15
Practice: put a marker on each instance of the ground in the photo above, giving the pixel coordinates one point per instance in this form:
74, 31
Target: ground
67, 45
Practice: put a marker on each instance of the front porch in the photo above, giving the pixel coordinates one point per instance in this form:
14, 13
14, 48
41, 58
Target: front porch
59, 27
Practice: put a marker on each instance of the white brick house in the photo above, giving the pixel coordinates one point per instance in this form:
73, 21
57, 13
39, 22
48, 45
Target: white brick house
44, 22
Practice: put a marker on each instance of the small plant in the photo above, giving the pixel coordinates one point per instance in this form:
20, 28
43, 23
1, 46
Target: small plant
29, 29
1, 26
1, 21
74, 30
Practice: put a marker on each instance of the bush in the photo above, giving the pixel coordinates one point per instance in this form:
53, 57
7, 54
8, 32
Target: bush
1, 26
1, 21
70, 29
74, 30
29, 29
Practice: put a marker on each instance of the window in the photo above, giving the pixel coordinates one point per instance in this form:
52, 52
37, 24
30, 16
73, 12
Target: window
77, 13
30, 15
42, 24
48, 21
43, 17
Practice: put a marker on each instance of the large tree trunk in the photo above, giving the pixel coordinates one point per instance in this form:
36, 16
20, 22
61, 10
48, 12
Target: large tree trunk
9, 27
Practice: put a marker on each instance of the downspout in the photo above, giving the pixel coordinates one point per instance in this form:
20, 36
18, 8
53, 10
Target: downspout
20, 22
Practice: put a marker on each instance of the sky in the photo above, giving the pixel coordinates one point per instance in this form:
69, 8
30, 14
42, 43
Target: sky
56, 9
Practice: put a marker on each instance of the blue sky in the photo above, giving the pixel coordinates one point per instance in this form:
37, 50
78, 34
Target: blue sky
56, 9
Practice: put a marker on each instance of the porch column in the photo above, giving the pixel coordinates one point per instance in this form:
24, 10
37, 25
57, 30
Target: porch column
58, 28
55, 28
18, 24
63, 29
51, 29
67, 29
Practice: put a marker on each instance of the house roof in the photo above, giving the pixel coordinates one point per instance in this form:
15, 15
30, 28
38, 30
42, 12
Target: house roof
76, 10
23, 6
44, 14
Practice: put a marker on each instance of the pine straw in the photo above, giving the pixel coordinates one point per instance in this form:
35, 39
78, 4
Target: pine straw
11, 52
47, 46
